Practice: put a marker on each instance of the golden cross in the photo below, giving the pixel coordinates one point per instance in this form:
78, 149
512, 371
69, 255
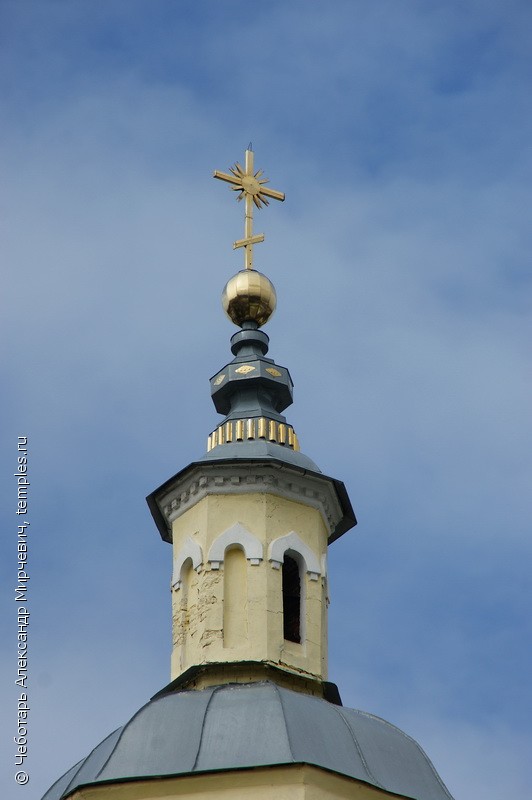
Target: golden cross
251, 187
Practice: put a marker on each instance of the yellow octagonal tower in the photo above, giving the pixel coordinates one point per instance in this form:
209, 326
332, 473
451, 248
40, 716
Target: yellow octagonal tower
249, 712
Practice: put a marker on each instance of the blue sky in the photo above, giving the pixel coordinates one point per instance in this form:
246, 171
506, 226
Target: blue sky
400, 133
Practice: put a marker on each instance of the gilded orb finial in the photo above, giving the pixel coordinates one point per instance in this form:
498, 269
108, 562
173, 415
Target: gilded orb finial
250, 186
249, 296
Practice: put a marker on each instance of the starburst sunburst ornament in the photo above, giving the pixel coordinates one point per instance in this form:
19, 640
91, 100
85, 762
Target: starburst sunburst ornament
251, 187
250, 184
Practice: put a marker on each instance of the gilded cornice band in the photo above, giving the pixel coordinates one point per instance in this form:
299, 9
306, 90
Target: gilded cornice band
241, 430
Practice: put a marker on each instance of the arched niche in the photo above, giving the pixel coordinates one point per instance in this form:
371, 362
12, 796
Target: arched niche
191, 550
239, 536
235, 605
295, 543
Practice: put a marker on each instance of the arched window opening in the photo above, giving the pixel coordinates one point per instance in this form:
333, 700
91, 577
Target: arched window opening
291, 600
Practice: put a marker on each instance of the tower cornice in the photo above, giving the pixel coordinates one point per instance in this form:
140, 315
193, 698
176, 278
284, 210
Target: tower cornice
251, 475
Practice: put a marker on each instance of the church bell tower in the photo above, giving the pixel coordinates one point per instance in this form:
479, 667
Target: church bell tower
249, 713
251, 521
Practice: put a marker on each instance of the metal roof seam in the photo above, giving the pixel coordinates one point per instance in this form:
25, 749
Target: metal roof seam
70, 788
280, 696
122, 729
414, 742
359, 750
74, 770
215, 689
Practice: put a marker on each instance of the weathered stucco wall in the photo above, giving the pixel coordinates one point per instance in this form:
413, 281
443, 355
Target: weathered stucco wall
233, 610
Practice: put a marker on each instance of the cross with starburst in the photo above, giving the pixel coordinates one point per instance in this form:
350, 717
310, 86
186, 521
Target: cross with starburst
251, 187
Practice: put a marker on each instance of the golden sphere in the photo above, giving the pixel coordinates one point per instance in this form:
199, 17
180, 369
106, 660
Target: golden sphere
249, 295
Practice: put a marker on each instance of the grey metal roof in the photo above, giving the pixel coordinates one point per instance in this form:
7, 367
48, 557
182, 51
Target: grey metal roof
252, 725
260, 449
